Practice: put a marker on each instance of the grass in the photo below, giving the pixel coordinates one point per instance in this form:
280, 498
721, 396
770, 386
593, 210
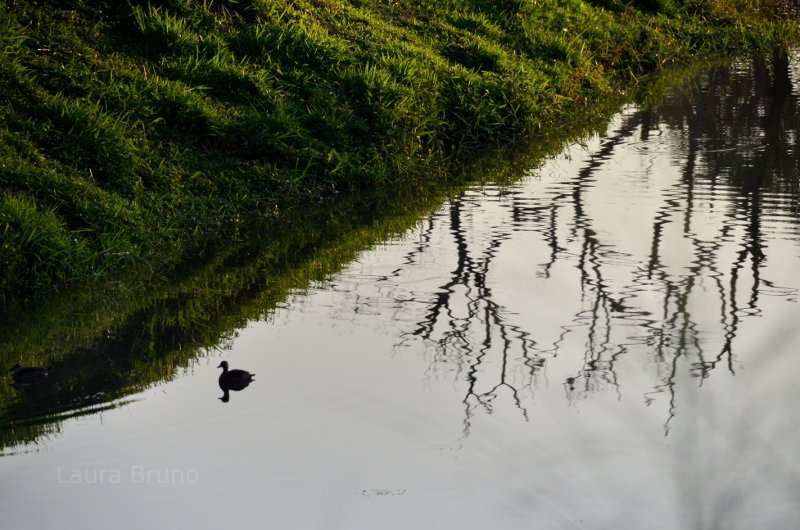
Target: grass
133, 134
141, 333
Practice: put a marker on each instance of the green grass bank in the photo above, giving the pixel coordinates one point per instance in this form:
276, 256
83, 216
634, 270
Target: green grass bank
134, 133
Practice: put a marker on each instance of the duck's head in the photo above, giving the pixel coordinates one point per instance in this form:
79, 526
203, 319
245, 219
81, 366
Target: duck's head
223, 365
14, 368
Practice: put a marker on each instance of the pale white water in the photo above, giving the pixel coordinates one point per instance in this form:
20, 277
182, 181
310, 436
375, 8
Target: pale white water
610, 343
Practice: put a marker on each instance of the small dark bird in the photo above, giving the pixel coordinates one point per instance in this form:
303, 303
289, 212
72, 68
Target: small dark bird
234, 376
28, 374
233, 380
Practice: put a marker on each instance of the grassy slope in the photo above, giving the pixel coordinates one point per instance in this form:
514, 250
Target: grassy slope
131, 133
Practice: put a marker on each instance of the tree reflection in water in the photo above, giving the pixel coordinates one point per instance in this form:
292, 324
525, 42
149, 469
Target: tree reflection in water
733, 138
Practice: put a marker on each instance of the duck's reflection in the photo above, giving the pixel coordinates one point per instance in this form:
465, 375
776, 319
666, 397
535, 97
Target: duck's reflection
235, 380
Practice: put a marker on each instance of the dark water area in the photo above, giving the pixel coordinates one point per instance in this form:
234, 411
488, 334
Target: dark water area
609, 341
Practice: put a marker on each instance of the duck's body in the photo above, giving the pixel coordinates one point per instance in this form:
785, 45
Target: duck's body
233, 377
233, 380
28, 374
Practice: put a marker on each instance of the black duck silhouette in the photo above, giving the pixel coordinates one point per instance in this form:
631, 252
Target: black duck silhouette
28, 374
233, 380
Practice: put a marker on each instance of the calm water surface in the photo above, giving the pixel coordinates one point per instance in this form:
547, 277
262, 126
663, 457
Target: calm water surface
611, 342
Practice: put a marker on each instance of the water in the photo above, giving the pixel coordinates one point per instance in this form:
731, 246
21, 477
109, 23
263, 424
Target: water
609, 342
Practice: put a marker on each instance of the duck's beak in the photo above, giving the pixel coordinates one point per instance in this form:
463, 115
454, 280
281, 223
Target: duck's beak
218, 366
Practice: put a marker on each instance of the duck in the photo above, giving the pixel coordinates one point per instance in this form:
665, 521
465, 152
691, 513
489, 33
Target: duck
234, 377
28, 374
233, 380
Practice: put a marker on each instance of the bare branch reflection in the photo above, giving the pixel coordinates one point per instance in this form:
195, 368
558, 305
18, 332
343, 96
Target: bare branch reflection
681, 303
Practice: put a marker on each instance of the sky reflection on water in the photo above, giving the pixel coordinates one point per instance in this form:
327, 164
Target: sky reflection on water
609, 343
